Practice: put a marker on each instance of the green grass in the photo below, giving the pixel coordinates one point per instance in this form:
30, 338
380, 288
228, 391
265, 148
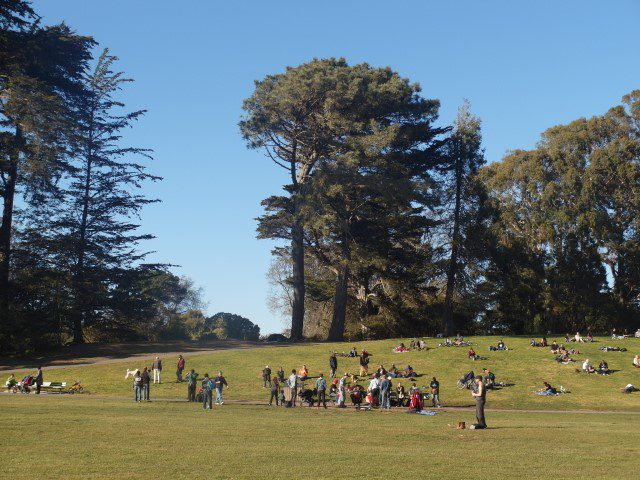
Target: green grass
105, 434
523, 366
80, 437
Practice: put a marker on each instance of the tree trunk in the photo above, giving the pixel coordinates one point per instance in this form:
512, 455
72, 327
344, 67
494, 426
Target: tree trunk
7, 223
336, 331
297, 256
448, 325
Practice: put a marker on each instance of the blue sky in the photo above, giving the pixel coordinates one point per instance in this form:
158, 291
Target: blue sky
525, 66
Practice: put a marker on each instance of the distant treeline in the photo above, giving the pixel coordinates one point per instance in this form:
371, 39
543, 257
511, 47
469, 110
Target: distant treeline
390, 225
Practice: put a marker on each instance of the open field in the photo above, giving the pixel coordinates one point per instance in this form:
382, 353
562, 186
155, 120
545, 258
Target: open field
104, 434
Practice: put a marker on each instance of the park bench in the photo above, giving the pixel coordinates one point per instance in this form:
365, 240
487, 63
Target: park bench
52, 386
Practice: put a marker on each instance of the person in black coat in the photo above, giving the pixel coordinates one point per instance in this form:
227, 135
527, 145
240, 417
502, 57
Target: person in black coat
38, 380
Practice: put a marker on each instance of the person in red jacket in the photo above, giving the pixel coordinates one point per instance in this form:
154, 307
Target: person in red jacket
180, 368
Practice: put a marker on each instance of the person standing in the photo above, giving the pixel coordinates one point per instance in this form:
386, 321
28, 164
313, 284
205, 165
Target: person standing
219, 383
385, 393
146, 384
207, 392
342, 391
180, 368
137, 386
157, 370
364, 363
191, 378
266, 376
480, 395
333, 365
292, 383
275, 390
38, 380
281, 375
435, 392
321, 386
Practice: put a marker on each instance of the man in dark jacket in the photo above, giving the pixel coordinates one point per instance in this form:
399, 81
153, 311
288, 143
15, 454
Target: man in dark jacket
157, 370
333, 364
266, 376
38, 380
146, 384
191, 378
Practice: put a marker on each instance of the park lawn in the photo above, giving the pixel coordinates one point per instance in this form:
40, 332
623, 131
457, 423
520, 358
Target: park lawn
523, 366
58, 436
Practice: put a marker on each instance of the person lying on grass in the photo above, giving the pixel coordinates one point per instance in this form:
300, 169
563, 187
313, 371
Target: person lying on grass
586, 367
393, 371
628, 389
564, 358
547, 390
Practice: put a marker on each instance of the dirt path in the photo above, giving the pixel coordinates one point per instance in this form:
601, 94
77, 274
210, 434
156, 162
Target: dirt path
121, 352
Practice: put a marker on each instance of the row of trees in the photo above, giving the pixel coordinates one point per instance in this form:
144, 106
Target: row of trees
70, 264
392, 225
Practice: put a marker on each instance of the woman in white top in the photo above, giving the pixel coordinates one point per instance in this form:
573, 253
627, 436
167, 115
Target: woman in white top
586, 366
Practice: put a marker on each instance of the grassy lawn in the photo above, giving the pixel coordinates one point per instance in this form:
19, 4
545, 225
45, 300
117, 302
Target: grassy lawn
83, 437
523, 366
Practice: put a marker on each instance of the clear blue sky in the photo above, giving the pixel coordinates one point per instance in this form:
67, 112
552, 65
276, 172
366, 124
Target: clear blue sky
525, 66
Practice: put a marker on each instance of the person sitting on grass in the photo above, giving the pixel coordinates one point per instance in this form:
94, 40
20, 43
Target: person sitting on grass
543, 342
393, 371
586, 367
502, 346
409, 372
489, 378
356, 393
472, 353
353, 353
554, 347
637, 334
603, 368
564, 358
382, 371
547, 390
303, 373
629, 388
636, 361
578, 338
401, 395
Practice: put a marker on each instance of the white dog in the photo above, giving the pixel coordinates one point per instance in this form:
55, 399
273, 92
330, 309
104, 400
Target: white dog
131, 373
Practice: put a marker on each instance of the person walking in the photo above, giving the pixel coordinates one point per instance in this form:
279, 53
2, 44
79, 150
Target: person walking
364, 363
137, 386
219, 383
275, 390
146, 384
207, 392
157, 370
435, 392
333, 365
191, 378
292, 383
385, 393
480, 394
266, 376
38, 380
321, 387
180, 368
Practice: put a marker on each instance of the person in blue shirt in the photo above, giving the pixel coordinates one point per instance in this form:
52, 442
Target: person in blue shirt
207, 392
321, 387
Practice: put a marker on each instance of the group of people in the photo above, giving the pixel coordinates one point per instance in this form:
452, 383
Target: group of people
27, 383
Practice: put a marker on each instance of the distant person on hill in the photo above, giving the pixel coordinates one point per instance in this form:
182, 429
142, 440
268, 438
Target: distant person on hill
137, 386
146, 384
303, 373
39, 380
280, 374
543, 342
192, 379
472, 353
342, 394
554, 347
321, 387
393, 371
578, 338
11, 382
586, 367
603, 368
435, 392
219, 383
385, 392
180, 368
502, 346
401, 395
547, 390
637, 334
364, 363
157, 370
409, 372
489, 378
480, 395
275, 390
636, 361
629, 389
207, 392
292, 383
333, 365
266, 376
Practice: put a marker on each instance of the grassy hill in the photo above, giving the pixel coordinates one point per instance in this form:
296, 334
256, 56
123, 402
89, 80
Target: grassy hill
523, 366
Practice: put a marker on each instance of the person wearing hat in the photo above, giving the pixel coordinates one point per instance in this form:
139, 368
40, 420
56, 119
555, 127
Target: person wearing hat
480, 394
